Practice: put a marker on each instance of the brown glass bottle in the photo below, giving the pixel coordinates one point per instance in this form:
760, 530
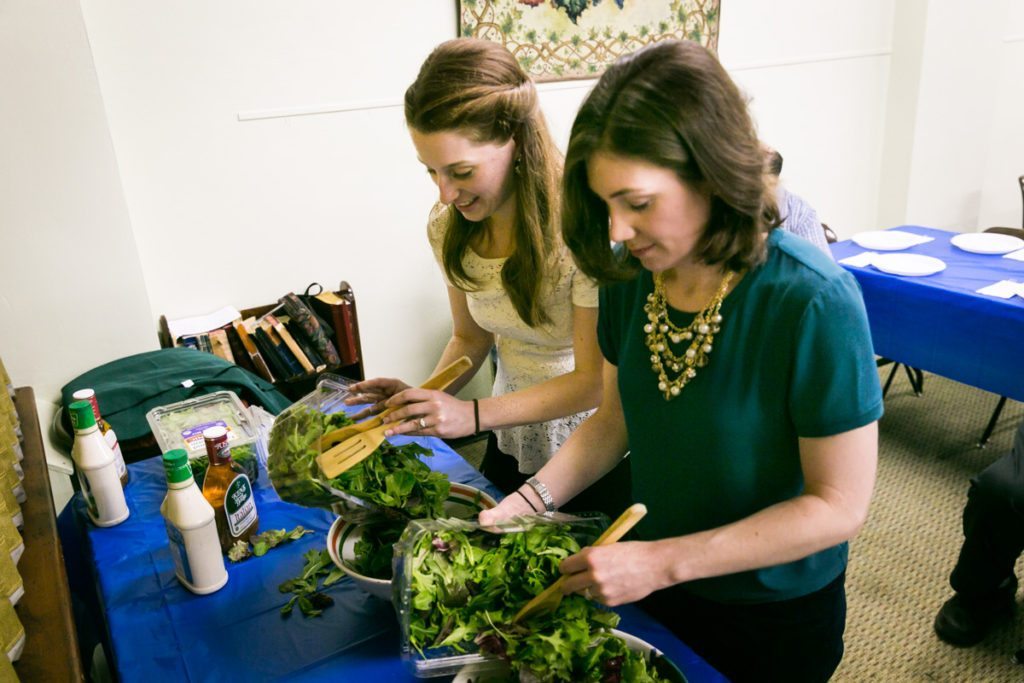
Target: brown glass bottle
229, 491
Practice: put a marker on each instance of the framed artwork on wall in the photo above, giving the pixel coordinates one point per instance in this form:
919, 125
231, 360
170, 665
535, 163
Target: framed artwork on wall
557, 40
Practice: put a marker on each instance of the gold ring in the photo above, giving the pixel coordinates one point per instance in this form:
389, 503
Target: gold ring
423, 423
586, 593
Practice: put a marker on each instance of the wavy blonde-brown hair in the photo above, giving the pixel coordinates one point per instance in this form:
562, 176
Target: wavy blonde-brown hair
477, 89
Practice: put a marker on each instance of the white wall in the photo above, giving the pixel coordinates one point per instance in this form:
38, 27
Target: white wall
1001, 200
260, 145
72, 293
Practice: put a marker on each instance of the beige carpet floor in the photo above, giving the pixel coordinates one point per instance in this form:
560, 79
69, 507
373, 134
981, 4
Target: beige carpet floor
900, 563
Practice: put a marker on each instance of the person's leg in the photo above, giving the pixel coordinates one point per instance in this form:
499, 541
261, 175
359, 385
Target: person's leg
798, 640
501, 469
983, 577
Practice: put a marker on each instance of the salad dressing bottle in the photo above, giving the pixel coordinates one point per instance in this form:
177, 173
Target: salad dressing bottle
97, 472
107, 431
229, 491
191, 528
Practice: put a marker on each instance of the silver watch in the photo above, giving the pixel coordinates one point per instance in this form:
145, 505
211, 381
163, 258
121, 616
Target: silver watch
542, 491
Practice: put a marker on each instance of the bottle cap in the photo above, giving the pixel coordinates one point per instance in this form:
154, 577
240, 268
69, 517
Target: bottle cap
176, 465
90, 396
216, 440
82, 416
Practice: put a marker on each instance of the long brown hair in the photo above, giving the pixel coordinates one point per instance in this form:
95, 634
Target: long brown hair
673, 105
476, 88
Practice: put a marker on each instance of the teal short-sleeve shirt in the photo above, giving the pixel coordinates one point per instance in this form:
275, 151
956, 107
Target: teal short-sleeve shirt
793, 358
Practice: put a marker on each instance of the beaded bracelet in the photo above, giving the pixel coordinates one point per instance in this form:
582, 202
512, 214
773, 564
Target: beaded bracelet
542, 491
528, 501
476, 416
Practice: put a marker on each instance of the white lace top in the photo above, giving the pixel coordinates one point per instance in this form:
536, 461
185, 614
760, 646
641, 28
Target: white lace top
526, 355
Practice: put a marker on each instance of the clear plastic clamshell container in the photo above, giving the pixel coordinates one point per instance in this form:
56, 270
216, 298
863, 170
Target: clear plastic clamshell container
430, 570
294, 445
181, 425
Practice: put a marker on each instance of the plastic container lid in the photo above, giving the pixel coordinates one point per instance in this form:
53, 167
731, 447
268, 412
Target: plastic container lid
181, 425
446, 661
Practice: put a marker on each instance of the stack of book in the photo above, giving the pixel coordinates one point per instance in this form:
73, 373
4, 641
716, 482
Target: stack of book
293, 339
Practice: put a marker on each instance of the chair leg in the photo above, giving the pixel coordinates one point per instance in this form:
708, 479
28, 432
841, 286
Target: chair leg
916, 378
888, 381
992, 422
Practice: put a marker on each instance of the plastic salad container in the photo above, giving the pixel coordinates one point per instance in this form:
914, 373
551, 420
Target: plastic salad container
438, 580
392, 484
181, 425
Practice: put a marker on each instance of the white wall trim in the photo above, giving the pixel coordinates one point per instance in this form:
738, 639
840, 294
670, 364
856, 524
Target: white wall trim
341, 107
1014, 39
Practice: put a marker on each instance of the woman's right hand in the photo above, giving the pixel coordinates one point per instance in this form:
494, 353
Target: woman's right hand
375, 392
512, 505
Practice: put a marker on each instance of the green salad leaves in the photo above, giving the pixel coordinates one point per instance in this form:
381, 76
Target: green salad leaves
466, 586
392, 478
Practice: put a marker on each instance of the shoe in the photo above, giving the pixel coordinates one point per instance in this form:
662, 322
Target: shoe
964, 621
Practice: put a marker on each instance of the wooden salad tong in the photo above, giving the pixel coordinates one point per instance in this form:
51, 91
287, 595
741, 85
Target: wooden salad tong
550, 597
356, 442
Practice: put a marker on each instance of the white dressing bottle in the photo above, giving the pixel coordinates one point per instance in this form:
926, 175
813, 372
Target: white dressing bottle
191, 528
97, 472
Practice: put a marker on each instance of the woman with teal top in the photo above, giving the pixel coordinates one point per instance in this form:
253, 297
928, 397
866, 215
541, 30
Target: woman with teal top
738, 374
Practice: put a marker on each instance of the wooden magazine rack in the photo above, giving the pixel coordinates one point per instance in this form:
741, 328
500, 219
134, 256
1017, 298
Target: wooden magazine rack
341, 317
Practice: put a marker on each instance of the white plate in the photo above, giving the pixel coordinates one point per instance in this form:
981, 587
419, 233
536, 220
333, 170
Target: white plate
987, 242
886, 240
667, 669
908, 264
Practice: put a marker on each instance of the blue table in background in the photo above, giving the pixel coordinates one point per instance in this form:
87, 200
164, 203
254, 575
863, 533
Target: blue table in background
158, 631
939, 322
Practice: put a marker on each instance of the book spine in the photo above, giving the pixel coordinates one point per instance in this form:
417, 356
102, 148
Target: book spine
287, 360
241, 356
300, 338
286, 337
250, 347
220, 346
302, 316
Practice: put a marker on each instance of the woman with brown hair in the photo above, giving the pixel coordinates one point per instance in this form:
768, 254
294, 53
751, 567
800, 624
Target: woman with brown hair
738, 373
478, 129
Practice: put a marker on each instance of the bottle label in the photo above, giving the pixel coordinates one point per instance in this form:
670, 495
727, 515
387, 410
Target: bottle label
111, 438
181, 565
90, 500
239, 505
193, 436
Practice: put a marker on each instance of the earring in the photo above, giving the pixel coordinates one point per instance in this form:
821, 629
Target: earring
517, 166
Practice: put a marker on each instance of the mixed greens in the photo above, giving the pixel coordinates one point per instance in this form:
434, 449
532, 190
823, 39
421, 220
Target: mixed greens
305, 588
467, 584
244, 455
264, 541
375, 549
393, 477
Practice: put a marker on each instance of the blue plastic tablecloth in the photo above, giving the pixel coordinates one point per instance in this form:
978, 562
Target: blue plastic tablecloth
939, 322
161, 632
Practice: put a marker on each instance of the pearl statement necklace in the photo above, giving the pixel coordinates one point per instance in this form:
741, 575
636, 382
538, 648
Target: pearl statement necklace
699, 336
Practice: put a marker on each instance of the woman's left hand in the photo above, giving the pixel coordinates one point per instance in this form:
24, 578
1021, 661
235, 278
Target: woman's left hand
424, 412
614, 574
